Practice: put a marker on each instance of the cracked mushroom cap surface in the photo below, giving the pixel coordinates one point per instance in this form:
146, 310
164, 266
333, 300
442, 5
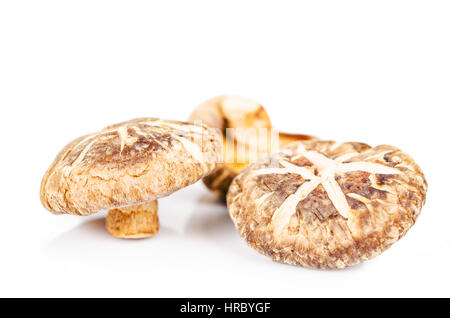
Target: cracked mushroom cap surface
323, 204
251, 131
130, 163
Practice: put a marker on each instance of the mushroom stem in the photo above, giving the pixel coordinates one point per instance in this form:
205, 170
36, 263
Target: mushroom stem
133, 222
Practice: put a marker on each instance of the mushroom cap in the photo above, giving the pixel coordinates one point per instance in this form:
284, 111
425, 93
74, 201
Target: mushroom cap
129, 163
322, 204
225, 112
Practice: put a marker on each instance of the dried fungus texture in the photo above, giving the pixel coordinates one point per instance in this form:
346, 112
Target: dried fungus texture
128, 164
231, 112
251, 133
322, 204
133, 222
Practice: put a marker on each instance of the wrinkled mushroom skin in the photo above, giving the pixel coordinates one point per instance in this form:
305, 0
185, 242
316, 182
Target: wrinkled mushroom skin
236, 112
128, 164
134, 222
327, 205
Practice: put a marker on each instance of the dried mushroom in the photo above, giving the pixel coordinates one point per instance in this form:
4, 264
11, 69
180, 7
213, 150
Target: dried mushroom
125, 167
246, 130
322, 204
135, 221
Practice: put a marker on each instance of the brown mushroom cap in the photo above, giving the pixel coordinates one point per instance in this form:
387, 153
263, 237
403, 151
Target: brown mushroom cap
323, 204
129, 163
240, 113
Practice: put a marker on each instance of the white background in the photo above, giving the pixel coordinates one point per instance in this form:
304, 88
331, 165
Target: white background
371, 71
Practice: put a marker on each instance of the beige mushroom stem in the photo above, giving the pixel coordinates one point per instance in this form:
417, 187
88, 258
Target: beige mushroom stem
133, 222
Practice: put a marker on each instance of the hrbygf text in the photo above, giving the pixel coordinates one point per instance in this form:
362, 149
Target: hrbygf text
231, 307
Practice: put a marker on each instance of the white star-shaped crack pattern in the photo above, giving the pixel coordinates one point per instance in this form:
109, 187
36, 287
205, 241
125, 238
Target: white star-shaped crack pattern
327, 169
